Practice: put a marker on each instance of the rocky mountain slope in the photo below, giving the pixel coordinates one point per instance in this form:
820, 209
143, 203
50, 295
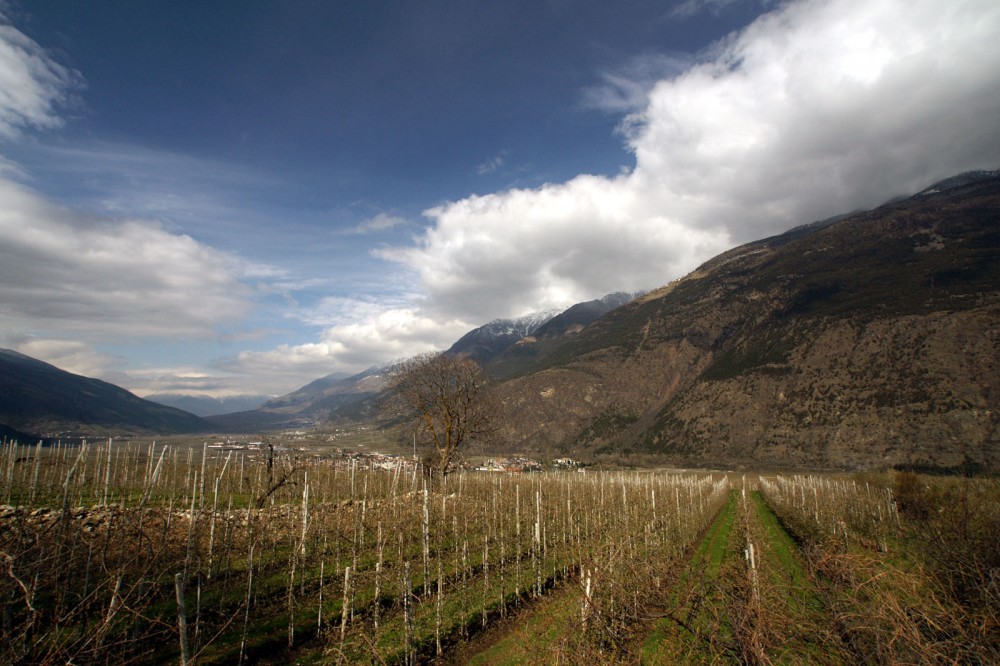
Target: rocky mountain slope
869, 340
40, 398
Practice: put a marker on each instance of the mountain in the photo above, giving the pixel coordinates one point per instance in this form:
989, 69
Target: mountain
489, 343
517, 357
872, 339
37, 397
332, 384
962, 179
327, 394
573, 320
308, 406
201, 405
486, 342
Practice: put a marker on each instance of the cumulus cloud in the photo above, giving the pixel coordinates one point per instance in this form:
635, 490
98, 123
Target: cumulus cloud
33, 86
521, 251
818, 108
74, 282
76, 274
71, 273
357, 334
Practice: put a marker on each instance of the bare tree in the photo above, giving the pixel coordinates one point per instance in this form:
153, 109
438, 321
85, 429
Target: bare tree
449, 399
286, 473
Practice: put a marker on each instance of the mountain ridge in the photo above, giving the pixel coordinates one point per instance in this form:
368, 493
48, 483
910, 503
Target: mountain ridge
38, 397
485, 342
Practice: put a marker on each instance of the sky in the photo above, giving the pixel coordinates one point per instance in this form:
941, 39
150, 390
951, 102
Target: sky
240, 197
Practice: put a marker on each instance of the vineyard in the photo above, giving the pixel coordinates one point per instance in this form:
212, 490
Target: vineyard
120, 554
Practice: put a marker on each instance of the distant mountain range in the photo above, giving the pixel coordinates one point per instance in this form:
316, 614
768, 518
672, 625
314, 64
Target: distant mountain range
309, 406
36, 397
867, 339
203, 405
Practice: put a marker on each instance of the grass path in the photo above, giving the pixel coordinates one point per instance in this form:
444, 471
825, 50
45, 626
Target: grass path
798, 629
689, 632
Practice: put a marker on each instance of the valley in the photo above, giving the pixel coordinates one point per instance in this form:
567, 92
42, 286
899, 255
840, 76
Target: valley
722, 470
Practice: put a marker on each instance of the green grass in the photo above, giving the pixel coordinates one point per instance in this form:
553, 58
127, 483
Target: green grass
692, 598
786, 552
792, 596
537, 636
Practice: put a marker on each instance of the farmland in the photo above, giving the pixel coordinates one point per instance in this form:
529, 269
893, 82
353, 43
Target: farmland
147, 553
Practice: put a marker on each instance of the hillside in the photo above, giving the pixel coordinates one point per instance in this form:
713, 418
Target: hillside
36, 397
867, 340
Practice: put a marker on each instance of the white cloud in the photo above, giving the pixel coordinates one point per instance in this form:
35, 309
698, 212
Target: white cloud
215, 383
82, 358
380, 222
822, 107
33, 86
491, 165
817, 108
357, 334
73, 274
69, 355
522, 251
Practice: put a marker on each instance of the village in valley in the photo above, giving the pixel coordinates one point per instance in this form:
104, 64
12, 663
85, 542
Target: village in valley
310, 450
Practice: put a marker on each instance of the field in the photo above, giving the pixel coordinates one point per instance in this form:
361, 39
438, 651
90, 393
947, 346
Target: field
145, 553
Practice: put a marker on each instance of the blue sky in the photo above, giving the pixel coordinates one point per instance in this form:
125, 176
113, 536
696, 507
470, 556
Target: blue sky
225, 198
